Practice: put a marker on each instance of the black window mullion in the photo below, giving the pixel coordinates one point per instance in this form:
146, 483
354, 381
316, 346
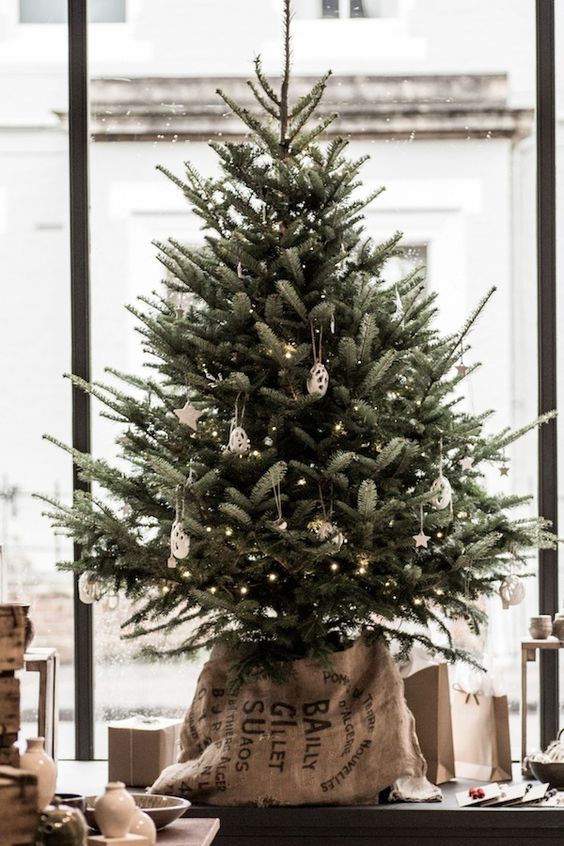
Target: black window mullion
547, 382
80, 343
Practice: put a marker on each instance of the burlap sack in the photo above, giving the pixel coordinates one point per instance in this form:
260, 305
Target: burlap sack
336, 736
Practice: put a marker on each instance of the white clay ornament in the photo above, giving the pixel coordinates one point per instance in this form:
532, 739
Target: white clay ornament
179, 541
318, 380
328, 531
512, 591
88, 588
442, 493
238, 441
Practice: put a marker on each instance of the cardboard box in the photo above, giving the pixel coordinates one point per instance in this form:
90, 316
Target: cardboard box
139, 749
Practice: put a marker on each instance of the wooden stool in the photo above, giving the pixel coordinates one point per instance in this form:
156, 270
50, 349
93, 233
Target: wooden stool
45, 661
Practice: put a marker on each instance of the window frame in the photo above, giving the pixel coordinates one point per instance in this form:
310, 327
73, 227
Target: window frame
546, 333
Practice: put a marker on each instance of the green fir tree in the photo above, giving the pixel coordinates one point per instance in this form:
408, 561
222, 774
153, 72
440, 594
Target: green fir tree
305, 540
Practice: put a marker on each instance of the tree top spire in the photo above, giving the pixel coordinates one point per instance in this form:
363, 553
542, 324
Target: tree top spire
287, 19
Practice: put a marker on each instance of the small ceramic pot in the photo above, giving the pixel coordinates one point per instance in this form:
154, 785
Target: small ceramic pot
36, 760
143, 825
60, 825
114, 810
540, 627
558, 626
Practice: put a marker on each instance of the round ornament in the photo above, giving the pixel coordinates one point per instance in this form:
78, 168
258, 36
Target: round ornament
512, 591
318, 380
280, 525
179, 541
442, 493
328, 531
238, 441
88, 588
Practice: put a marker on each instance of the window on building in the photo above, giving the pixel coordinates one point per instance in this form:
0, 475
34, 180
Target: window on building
55, 11
359, 8
330, 8
413, 256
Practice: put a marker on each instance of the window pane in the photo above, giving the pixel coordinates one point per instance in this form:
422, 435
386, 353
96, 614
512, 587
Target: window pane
35, 352
357, 9
55, 11
443, 105
330, 8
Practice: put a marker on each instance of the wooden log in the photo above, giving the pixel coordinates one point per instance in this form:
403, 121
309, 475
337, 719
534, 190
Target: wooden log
9, 706
18, 807
12, 636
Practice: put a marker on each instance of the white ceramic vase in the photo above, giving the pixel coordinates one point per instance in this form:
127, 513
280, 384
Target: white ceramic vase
114, 810
143, 825
36, 760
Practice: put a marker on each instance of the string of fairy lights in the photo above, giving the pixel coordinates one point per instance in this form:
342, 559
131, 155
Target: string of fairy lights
323, 526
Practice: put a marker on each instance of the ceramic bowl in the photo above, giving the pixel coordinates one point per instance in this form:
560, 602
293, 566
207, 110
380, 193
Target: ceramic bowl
73, 800
162, 809
552, 773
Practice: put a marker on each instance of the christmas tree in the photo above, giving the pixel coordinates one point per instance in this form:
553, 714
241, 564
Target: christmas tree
299, 468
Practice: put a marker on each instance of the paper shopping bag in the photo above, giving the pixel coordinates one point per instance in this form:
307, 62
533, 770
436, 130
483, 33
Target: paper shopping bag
427, 694
480, 726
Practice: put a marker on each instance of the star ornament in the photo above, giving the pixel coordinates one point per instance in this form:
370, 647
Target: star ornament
188, 415
461, 369
467, 463
421, 539
504, 471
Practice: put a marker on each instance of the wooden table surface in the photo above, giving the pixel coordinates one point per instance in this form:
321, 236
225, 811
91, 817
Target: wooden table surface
189, 832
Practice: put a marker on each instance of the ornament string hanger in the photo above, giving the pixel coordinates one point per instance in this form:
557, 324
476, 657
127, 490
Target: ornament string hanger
461, 368
238, 439
318, 379
279, 523
441, 487
421, 539
316, 349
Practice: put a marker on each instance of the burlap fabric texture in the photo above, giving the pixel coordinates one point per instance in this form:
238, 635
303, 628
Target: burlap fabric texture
327, 736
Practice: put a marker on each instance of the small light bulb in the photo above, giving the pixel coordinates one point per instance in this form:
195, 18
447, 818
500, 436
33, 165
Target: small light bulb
255, 453
301, 481
274, 428
418, 601
334, 567
214, 433
229, 531
186, 574
439, 591
165, 589
339, 426
272, 577
439, 534
461, 515
244, 590
213, 589
361, 571
355, 407
208, 528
